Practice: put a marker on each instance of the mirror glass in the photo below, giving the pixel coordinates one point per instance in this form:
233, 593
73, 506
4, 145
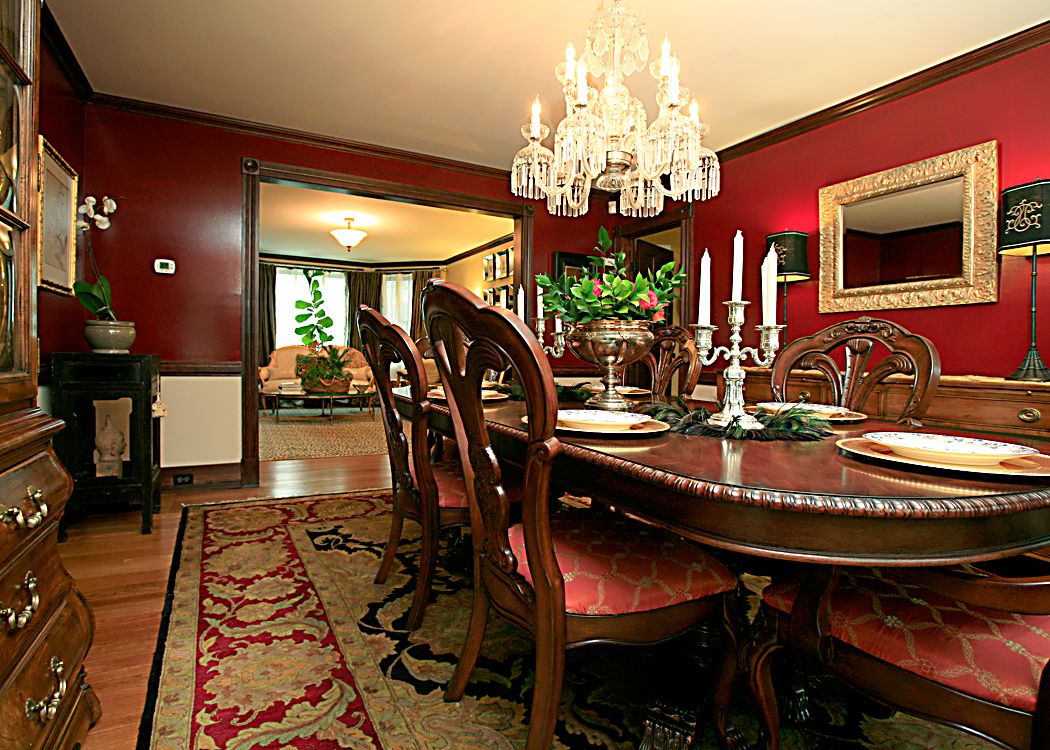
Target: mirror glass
912, 235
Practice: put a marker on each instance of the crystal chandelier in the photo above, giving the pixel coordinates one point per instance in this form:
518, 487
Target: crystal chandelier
604, 139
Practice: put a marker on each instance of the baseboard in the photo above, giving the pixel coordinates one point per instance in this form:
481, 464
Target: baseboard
217, 476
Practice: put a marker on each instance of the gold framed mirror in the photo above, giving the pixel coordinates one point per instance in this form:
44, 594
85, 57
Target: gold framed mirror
919, 235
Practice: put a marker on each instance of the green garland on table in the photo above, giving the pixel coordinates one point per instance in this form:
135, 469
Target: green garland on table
791, 424
566, 393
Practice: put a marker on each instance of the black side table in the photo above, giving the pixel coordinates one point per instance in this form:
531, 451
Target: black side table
78, 381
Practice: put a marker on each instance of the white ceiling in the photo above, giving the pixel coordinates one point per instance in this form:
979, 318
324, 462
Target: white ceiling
295, 222
456, 79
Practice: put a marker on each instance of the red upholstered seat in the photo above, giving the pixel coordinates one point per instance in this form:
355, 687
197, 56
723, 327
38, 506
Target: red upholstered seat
612, 566
992, 655
452, 490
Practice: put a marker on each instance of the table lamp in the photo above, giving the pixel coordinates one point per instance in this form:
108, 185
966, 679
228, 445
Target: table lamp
1025, 230
792, 262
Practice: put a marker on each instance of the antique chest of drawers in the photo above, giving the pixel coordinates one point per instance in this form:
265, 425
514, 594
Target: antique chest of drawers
45, 625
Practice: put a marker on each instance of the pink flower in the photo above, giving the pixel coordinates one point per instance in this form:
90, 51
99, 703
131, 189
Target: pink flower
650, 302
597, 288
658, 316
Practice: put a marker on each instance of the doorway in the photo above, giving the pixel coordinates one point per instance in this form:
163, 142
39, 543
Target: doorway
257, 174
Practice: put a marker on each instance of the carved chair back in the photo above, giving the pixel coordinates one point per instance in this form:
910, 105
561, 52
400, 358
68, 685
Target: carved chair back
909, 354
673, 353
386, 344
468, 339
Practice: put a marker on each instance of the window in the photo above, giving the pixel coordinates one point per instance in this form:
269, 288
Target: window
292, 285
396, 300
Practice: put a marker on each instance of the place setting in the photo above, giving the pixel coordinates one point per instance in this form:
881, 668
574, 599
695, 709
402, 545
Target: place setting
948, 453
438, 394
828, 412
617, 424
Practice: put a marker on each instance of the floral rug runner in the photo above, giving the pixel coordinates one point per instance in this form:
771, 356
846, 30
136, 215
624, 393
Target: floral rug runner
277, 638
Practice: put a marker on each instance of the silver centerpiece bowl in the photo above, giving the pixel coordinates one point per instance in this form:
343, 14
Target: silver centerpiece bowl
609, 345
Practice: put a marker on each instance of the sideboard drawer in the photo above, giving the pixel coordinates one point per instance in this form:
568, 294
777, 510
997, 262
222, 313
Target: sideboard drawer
32, 585
45, 677
32, 494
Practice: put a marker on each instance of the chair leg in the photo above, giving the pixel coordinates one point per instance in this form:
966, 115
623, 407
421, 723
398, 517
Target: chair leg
479, 615
760, 678
424, 578
728, 674
396, 522
546, 691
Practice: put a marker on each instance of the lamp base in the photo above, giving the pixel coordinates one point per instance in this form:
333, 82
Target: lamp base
1032, 368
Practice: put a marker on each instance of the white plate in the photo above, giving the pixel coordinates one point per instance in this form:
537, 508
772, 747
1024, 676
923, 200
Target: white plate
439, 395
1026, 466
623, 390
949, 449
824, 410
642, 429
595, 419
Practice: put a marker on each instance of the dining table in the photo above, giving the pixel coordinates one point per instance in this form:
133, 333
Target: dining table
790, 500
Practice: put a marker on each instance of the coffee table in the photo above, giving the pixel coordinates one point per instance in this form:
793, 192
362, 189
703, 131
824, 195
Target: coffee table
330, 398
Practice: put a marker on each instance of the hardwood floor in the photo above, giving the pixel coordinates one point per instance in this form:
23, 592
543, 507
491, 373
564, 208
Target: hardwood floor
124, 575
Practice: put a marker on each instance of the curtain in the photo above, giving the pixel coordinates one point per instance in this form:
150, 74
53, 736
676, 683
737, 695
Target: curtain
267, 312
396, 301
419, 282
362, 288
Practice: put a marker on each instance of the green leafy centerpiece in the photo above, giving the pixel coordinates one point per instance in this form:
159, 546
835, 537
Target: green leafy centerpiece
795, 423
608, 311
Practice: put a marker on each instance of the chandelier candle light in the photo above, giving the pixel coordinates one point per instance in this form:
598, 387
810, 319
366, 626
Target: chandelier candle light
605, 140
769, 332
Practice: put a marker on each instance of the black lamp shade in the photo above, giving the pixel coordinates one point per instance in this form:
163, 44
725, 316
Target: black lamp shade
1025, 219
792, 262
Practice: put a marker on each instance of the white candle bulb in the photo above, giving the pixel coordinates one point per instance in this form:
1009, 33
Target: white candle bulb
665, 58
557, 325
673, 90
534, 126
581, 83
766, 318
570, 62
704, 312
738, 267
694, 112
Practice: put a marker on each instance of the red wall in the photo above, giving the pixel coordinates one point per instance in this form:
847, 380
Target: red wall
776, 188
178, 189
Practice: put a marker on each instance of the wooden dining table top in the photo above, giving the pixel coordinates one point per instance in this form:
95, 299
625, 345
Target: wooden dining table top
805, 501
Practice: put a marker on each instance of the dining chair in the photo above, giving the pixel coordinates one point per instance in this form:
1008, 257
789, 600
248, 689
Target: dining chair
908, 354
672, 353
567, 577
430, 493
966, 646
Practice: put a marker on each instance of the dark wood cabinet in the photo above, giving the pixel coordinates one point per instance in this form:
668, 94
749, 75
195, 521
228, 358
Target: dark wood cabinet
83, 388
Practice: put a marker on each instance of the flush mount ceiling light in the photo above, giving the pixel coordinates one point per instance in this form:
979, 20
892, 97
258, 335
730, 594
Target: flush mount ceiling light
349, 237
604, 140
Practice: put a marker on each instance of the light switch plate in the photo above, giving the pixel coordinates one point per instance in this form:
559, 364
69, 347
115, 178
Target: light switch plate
163, 265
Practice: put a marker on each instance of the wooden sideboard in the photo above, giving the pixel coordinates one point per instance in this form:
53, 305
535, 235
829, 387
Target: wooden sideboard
969, 402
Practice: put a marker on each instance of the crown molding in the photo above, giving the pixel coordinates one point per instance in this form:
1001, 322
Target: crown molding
1022, 41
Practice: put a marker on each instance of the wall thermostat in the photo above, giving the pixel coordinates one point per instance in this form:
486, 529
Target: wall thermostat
163, 265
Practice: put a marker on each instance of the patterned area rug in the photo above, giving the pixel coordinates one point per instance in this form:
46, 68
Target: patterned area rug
277, 638
302, 433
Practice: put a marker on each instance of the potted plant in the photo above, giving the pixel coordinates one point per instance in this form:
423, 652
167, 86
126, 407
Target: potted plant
323, 372
105, 334
609, 312
313, 321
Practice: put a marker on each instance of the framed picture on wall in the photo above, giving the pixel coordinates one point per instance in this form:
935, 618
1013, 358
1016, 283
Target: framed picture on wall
503, 263
571, 264
488, 296
488, 272
56, 233
503, 295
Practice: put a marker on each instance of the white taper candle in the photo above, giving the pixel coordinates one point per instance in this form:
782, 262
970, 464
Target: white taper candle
738, 267
704, 313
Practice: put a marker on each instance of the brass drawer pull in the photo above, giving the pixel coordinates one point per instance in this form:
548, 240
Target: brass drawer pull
1029, 415
18, 518
18, 619
804, 396
46, 709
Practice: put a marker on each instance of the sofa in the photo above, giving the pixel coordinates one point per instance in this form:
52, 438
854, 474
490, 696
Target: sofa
280, 370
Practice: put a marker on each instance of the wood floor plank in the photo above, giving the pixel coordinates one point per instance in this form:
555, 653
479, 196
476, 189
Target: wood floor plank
124, 576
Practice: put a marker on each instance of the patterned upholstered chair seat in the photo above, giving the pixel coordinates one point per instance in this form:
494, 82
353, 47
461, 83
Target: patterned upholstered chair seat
613, 566
996, 656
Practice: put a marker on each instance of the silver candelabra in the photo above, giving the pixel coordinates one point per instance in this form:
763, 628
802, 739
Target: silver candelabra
558, 349
733, 408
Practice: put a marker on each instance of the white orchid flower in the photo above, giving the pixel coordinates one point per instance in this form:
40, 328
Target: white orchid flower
108, 204
87, 210
82, 225
102, 222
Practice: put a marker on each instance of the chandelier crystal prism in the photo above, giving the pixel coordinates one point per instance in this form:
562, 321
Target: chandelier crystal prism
605, 140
